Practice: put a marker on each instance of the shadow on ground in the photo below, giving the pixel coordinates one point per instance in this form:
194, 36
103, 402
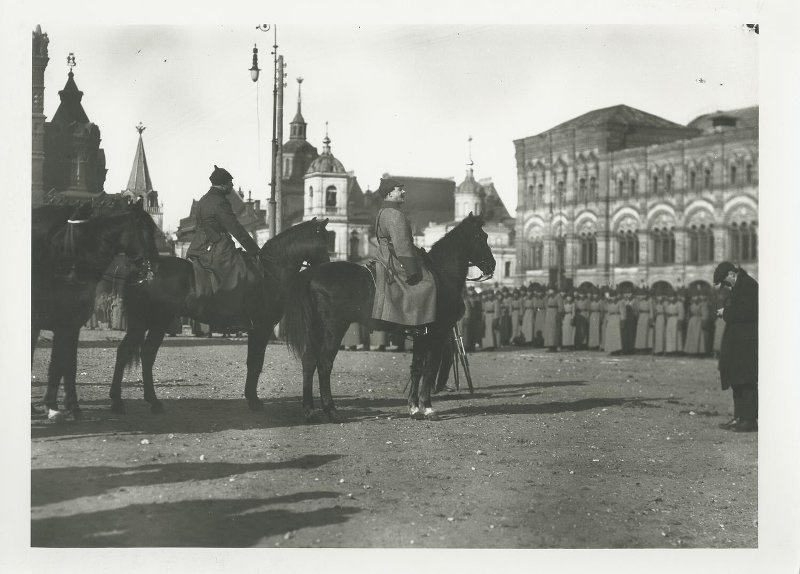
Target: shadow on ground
193, 523
49, 485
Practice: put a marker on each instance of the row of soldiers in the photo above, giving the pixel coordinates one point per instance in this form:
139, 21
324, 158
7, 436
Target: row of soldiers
108, 312
614, 321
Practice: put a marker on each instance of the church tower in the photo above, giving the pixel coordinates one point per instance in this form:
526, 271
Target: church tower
139, 184
39, 63
470, 195
75, 164
297, 156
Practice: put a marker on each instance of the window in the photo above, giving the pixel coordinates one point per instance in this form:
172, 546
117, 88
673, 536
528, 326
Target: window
310, 191
668, 183
531, 197
692, 180
330, 197
663, 246
743, 241
588, 249
628, 248
633, 186
733, 175
507, 269
707, 178
287, 167
701, 244
560, 193
330, 236
655, 184
561, 250
582, 189
592, 188
620, 188
748, 173
540, 194
534, 252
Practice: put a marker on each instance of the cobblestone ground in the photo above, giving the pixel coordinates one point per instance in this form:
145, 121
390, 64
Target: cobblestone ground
564, 450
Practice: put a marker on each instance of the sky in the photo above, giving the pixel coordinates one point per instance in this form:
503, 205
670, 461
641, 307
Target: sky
402, 99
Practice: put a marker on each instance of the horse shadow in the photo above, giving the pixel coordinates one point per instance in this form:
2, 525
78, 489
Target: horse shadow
554, 407
193, 523
78, 482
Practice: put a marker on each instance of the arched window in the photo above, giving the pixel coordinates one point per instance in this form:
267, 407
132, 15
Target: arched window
748, 173
655, 184
561, 250
592, 188
620, 188
532, 253
628, 248
633, 186
560, 194
540, 194
743, 241
354, 251
287, 167
532, 196
733, 175
692, 180
701, 243
330, 197
663, 252
707, 178
588, 249
668, 183
310, 191
582, 190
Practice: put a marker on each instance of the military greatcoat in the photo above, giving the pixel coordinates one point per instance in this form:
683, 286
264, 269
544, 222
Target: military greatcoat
395, 300
738, 358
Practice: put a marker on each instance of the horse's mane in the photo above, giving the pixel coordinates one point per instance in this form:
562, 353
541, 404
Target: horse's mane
455, 236
292, 244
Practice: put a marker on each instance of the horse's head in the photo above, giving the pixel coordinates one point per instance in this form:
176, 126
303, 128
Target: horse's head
479, 254
303, 244
132, 232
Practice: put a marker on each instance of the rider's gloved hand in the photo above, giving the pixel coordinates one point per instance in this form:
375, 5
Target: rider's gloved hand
414, 278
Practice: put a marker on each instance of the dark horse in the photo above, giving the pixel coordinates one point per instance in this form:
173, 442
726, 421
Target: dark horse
152, 306
329, 297
70, 250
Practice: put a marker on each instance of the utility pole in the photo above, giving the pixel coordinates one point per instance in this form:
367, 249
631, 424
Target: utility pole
278, 157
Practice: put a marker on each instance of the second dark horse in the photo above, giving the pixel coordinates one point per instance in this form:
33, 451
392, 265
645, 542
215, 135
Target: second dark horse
151, 307
328, 298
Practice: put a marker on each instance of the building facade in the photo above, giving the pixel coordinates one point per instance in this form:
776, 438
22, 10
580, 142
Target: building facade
618, 196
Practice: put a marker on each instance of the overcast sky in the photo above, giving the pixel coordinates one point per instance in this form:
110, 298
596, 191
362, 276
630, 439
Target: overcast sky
400, 99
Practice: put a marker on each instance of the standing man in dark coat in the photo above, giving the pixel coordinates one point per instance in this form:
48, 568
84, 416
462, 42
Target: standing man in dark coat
213, 249
738, 358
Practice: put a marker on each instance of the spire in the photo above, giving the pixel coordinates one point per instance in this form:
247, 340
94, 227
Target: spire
139, 182
297, 129
470, 163
70, 109
326, 147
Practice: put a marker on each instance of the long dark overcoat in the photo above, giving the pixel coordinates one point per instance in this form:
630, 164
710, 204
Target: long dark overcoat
738, 357
395, 300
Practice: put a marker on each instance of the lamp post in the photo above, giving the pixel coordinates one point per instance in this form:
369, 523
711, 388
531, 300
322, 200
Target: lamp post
277, 75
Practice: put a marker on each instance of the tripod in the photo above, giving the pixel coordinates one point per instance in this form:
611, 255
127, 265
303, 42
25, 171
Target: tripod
460, 359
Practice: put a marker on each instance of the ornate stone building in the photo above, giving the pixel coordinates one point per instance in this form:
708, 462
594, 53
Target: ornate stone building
619, 196
39, 64
298, 154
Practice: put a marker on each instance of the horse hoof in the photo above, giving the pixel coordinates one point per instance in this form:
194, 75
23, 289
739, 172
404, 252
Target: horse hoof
56, 416
430, 414
157, 408
255, 405
118, 407
415, 413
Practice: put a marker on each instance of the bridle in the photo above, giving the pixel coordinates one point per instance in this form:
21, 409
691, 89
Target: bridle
480, 265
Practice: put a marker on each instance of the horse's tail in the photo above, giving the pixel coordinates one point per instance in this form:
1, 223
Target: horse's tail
297, 319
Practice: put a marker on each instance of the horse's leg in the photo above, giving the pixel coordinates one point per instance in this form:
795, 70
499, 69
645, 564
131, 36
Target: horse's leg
432, 360
327, 355
71, 371
55, 370
309, 361
257, 339
34, 339
125, 352
155, 335
445, 363
417, 363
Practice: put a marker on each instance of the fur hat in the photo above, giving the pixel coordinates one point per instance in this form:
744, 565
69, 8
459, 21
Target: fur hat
722, 271
387, 185
220, 176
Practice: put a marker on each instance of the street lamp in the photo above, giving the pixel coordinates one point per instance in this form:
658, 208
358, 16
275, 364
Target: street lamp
254, 70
